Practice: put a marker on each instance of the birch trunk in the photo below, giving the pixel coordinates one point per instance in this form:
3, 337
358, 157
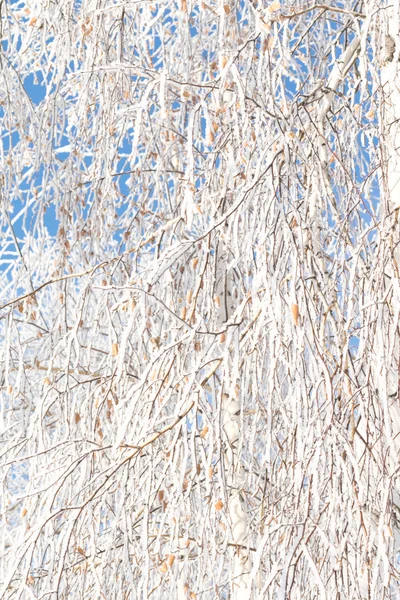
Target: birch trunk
231, 426
376, 424
375, 420
387, 346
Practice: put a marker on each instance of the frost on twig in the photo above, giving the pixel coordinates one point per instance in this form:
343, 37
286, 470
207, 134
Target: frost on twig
199, 300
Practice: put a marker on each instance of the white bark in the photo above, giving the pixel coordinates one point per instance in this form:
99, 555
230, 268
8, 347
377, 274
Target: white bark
231, 427
387, 347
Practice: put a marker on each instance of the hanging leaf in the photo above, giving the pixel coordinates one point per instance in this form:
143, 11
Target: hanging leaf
219, 505
170, 560
204, 431
295, 314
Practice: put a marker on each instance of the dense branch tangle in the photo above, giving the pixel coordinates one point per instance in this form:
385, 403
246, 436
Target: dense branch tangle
163, 138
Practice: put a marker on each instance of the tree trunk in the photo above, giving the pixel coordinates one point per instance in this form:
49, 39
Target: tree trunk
231, 421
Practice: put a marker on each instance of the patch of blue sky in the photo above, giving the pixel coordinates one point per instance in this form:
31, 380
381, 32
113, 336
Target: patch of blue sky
122, 175
176, 104
124, 179
17, 4
153, 46
14, 42
193, 29
19, 217
18, 479
242, 9
86, 162
374, 189
8, 253
50, 220
63, 152
35, 87
86, 204
203, 127
354, 344
208, 55
77, 6
290, 83
10, 139
7, 276
26, 216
